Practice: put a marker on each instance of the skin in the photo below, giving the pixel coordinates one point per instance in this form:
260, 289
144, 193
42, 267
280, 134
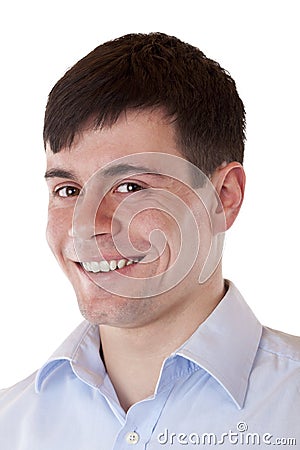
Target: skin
137, 334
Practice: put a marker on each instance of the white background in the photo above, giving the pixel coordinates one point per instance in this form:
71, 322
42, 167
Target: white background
257, 42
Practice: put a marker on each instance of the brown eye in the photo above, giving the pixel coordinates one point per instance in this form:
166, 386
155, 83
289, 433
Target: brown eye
68, 191
126, 188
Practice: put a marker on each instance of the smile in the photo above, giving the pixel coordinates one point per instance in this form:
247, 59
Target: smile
105, 266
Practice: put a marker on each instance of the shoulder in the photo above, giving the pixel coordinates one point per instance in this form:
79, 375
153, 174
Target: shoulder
14, 403
25, 386
281, 345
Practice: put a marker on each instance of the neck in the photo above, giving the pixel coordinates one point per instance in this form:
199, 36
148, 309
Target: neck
134, 356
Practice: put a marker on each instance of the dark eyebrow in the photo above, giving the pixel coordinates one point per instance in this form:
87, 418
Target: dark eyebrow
118, 169
121, 169
60, 173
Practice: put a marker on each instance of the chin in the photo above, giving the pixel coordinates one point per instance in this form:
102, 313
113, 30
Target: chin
120, 312
101, 308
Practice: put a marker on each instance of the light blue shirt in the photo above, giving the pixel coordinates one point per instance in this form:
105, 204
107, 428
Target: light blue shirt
233, 384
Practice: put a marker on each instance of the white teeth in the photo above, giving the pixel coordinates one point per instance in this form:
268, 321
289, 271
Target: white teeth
121, 263
105, 266
113, 264
87, 266
94, 266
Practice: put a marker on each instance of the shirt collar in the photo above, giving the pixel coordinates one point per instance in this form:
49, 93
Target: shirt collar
226, 343
81, 350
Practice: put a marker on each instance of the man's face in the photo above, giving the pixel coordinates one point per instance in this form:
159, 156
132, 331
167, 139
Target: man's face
125, 223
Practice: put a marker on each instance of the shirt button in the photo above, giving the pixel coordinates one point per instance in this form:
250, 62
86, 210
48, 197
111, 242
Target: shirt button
132, 437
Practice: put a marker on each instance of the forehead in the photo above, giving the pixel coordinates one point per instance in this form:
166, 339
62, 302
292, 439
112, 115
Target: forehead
134, 133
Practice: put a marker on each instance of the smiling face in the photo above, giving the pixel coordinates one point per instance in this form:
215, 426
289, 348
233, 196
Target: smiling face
124, 224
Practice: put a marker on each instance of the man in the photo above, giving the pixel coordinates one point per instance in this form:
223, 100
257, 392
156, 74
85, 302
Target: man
144, 142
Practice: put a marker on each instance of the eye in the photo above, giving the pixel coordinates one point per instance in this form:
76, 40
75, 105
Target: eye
128, 187
67, 191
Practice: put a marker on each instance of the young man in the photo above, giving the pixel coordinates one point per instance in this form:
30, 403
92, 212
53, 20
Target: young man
144, 142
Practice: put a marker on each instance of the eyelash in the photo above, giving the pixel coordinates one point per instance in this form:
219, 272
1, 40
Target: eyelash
134, 188
137, 187
58, 191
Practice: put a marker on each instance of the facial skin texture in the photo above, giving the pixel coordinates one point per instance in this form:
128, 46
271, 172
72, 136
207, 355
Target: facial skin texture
135, 133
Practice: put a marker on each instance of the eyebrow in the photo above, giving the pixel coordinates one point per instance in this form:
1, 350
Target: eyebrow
121, 169
118, 169
60, 173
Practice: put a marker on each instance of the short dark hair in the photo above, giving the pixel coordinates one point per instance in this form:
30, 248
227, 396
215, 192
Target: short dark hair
139, 71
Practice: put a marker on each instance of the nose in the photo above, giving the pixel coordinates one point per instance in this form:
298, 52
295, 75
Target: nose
93, 218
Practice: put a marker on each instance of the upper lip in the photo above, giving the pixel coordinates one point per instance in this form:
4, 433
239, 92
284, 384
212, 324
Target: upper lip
107, 258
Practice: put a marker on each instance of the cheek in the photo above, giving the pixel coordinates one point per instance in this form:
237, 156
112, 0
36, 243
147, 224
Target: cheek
155, 228
58, 226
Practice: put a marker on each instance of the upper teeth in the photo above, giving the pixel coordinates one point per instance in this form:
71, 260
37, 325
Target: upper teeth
105, 266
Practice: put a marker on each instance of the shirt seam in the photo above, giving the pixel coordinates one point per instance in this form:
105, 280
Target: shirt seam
279, 354
51, 367
183, 373
80, 342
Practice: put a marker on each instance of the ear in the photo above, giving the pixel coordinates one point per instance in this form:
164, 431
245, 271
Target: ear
229, 182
